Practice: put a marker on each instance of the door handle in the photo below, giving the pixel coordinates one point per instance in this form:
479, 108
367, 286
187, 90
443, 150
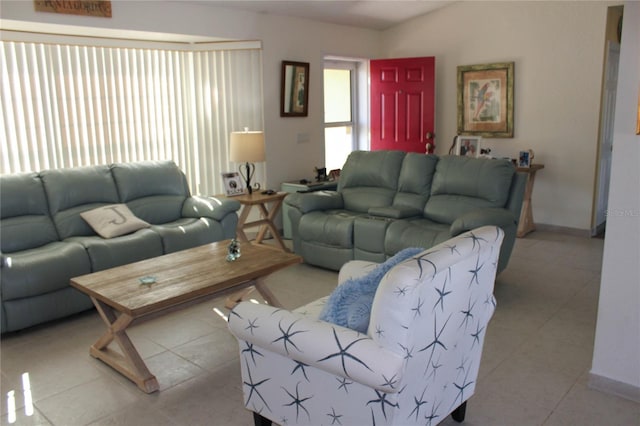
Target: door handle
430, 135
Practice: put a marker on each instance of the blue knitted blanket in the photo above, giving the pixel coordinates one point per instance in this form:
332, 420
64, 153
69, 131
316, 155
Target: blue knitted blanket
349, 305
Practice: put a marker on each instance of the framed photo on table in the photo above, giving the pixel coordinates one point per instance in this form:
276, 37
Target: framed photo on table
524, 159
232, 184
485, 100
468, 146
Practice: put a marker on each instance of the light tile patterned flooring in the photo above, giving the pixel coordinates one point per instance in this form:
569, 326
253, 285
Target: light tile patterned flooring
534, 371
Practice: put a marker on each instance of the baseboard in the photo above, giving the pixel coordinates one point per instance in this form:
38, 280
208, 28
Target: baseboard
614, 387
576, 232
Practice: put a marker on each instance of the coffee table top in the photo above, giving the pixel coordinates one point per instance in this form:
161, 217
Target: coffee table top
181, 276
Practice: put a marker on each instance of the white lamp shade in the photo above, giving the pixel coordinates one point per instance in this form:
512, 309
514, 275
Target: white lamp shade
246, 147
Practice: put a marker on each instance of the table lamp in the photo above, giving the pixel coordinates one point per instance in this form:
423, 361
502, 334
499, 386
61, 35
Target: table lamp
247, 147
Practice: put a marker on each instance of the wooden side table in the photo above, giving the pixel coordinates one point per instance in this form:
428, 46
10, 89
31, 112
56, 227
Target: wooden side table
526, 224
267, 215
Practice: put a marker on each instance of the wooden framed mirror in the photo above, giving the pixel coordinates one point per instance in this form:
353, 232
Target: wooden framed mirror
294, 99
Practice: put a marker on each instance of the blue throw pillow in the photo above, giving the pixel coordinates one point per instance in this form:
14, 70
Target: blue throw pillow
349, 305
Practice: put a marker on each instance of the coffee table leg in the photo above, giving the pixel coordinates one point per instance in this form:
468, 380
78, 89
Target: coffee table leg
129, 363
258, 285
268, 296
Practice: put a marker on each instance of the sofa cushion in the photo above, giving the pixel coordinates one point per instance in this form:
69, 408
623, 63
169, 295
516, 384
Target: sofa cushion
349, 305
72, 191
331, 228
369, 179
414, 182
122, 250
186, 233
155, 191
24, 213
414, 232
42, 270
113, 220
462, 184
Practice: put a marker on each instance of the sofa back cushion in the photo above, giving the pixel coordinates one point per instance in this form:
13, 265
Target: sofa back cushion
462, 184
370, 179
24, 214
75, 190
414, 183
155, 191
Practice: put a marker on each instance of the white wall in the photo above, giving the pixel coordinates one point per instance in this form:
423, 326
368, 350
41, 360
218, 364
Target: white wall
557, 48
282, 39
616, 354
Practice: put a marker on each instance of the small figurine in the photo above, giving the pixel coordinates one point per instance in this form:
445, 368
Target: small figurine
233, 251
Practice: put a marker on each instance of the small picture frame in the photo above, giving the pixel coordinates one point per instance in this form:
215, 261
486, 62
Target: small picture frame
468, 146
524, 159
232, 184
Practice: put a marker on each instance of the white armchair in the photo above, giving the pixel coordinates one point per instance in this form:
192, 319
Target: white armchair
417, 364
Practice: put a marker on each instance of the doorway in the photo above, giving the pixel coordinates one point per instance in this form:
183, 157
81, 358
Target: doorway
607, 114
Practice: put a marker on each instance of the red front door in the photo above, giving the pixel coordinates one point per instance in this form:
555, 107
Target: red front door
403, 104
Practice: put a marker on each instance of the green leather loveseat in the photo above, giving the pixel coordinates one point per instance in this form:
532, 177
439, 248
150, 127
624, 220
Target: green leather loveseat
390, 200
44, 241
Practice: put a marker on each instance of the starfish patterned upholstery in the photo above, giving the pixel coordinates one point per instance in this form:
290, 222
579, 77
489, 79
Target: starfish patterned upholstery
417, 363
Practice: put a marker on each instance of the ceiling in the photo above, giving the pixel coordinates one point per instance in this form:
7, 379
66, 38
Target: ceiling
372, 14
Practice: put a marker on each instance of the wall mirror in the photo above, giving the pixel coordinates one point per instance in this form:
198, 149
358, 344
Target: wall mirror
295, 89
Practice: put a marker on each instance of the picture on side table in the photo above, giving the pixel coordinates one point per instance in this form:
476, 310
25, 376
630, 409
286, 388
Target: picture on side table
468, 146
232, 184
524, 159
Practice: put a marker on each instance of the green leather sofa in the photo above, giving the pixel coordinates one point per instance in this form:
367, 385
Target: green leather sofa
390, 200
44, 241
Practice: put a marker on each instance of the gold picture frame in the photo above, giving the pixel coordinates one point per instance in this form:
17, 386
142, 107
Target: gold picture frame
100, 8
485, 100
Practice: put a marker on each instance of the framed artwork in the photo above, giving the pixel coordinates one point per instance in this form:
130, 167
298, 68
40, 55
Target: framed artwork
232, 184
101, 8
294, 99
468, 146
485, 100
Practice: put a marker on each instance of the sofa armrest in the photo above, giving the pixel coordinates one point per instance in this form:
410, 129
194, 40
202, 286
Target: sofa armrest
394, 212
337, 350
475, 219
212, 207
311, 201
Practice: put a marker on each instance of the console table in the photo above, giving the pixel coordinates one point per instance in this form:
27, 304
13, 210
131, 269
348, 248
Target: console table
526, 224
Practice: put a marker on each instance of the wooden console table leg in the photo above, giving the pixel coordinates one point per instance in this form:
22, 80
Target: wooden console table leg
129, 363
526, 223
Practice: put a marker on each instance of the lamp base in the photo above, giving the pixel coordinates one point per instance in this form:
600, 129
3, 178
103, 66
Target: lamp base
250, 170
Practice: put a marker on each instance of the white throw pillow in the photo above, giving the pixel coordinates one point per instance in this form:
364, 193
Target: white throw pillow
113, 220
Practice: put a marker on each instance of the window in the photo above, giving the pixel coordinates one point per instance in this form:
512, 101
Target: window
340, 112
69, 105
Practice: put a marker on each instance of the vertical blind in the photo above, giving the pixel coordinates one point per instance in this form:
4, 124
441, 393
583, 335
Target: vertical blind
77, 105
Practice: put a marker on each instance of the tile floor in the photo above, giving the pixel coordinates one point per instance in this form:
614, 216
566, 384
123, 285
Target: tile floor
534, 369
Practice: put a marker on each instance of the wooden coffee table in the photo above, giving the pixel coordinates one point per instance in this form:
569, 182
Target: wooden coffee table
181, 279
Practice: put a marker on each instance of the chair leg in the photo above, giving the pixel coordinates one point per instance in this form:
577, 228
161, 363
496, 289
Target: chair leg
459, 413
258, 420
